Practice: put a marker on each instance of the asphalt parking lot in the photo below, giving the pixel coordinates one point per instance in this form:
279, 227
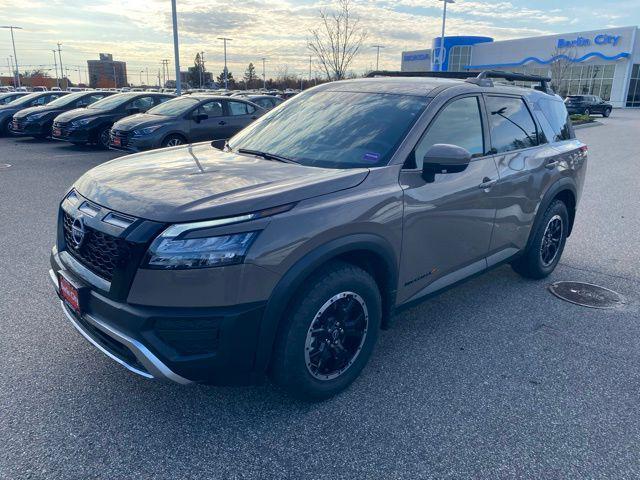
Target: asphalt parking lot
493, 379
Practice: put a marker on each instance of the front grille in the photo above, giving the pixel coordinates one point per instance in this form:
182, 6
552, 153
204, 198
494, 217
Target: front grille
123, 135
65, 129
18, 124
100, 252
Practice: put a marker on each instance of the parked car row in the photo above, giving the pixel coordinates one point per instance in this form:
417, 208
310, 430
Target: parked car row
131, 121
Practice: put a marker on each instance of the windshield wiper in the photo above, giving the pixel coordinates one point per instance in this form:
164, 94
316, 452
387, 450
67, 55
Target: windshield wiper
266, 155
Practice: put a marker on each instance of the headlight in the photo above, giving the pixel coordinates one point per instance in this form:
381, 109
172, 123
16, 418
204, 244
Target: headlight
80, 123
146, 130
168, 253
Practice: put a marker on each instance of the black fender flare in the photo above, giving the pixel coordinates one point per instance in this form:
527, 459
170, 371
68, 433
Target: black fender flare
293, 279
562, 184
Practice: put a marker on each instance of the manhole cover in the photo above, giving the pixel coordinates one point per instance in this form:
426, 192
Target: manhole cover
586, 294
4, 165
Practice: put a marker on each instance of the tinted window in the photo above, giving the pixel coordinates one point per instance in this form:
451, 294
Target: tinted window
334, 129
93, 98
556, 114
213, 109
459, 123
512, 126
264, 102
142, 103
240, 108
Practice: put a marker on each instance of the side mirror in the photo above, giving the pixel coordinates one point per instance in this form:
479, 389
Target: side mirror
133, 110
200, 117
219, 144
444, 158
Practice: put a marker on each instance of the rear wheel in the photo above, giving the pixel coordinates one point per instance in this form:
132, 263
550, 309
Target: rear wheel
606, 113
546, 245
5, 127
329, 333
173, 141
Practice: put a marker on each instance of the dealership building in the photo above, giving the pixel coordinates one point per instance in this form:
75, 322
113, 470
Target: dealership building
605, 62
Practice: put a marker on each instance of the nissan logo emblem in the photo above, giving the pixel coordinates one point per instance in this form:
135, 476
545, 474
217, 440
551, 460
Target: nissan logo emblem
77, 232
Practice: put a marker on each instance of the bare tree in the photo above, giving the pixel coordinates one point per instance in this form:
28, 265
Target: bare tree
560, 69
337, 41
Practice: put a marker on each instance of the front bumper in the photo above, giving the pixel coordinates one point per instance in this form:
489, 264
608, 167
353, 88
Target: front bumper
183, 345
71, 134
27, 128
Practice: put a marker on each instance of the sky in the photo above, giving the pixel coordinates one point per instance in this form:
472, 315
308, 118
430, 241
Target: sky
139, 32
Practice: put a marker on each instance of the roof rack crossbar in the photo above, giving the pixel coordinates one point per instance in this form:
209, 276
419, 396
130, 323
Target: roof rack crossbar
483, 78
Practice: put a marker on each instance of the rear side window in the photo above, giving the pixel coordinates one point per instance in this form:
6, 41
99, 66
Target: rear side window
511, 123
556, 114
143, 103
240, 108
458, 123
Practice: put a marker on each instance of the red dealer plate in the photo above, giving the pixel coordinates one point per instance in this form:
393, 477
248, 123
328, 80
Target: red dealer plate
56, 132
116, 141
69, 294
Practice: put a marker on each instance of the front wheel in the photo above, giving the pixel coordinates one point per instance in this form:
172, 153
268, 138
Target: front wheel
606, 113
329, 333
104, 137
173, 141
547, 243
587, 112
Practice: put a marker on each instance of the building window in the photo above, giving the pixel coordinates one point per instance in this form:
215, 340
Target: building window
633, 97
459, 57
586, 80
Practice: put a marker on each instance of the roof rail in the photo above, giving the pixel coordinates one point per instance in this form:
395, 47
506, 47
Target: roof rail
483, 79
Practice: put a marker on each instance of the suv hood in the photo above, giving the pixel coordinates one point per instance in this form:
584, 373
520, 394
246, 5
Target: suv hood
138, 120
198, 182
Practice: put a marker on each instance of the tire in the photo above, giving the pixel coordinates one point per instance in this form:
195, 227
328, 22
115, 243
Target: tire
102, 139
338, 295
546, 244
587, 112
173, 141
606, 113
5, 128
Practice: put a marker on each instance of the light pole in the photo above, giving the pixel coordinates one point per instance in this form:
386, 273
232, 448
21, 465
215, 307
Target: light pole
15, 57
377, 47
176, 52
61, 70
444, 21
264, 77
55, 63
226, 76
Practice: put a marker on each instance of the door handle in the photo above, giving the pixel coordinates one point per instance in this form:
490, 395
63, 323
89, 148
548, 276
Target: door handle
222, 122
551, 165
487, 183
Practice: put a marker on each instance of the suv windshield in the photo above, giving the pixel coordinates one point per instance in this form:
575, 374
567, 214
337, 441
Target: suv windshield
113, 101
334, 129
174, 107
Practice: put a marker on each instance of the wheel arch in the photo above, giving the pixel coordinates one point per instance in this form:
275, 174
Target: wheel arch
370, 252
564, 190
174, 133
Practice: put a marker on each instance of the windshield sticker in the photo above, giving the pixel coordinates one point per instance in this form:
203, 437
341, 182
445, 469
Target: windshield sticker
371, 157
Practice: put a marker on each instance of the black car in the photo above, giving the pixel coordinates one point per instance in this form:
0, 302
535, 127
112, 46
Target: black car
30, 100
10, 97
186, 119
587, 104
92, 124
37, 121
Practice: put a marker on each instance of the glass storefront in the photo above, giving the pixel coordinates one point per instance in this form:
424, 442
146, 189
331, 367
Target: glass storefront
459, 57
575, 79
633, 97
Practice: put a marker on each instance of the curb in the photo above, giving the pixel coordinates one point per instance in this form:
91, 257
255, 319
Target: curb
595, 123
